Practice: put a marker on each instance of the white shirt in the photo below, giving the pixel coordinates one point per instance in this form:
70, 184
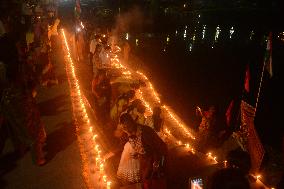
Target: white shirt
93, 45
105, 57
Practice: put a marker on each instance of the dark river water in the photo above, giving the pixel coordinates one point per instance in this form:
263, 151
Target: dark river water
203, 63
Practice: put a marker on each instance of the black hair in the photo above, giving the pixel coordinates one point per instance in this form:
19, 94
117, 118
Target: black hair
127, 122
239, 159
129, 94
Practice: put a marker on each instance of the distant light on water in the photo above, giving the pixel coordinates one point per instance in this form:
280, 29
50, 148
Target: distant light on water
251, 34
82, 25
281, 36
231, 32
203, 31
190, 47
218, 30
198, 19
193, 37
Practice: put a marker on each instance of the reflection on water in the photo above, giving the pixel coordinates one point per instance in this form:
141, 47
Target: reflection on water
203, 31
199, 62
218, 30
190, 46
231, 32
251, 35
281, 36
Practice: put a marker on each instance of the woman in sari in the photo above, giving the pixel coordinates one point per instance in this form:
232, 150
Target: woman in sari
120, 105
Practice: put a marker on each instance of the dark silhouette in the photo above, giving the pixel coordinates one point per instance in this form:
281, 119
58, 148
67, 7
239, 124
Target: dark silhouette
229, 179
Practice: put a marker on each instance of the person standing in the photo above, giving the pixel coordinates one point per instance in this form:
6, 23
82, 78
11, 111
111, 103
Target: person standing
143, 154
97, 61
17, 105
207, 125
126, 51
101, 89
105, 56
93, 45
53, 33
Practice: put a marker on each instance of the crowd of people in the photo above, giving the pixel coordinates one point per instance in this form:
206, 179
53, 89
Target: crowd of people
122, 114
143, 151
136, 136
27, 42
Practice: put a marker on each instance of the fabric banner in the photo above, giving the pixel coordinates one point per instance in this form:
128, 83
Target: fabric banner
253, 144
247, 80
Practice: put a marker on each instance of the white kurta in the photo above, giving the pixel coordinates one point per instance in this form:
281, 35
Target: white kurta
93, 46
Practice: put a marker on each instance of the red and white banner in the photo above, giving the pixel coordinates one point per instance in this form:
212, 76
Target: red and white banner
254, 145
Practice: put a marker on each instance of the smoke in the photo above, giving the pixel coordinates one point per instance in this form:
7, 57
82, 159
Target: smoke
133, 20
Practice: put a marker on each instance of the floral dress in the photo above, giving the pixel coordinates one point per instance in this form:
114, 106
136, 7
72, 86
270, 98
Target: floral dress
129, 170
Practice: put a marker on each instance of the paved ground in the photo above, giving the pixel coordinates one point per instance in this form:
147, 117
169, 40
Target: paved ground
63, 169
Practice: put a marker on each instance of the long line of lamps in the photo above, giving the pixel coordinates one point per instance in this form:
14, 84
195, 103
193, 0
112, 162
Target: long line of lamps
80, 103
80, 112
127, 71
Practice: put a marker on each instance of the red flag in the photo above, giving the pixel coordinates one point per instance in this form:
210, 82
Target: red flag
229, 113
253, 143
247, 79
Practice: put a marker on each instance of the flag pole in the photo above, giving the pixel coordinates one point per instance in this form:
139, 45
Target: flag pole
268, 47
259, 88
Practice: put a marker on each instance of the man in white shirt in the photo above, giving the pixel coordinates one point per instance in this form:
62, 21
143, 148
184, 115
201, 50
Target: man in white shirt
105, 57
93, 45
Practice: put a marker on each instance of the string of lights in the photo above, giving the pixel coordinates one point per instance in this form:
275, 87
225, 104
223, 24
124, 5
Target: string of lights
96, 169
153, 98
90, 149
